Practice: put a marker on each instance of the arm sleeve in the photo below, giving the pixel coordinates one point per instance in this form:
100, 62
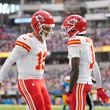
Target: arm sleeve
16, 53
73, 51
97, 75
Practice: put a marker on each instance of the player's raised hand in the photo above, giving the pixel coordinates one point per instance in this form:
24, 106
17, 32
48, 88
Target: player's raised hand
102, 95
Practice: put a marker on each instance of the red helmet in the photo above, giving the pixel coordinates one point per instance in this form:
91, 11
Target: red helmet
42, 19
74, 24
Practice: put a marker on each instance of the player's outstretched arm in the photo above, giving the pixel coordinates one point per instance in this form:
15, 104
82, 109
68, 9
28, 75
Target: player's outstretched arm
100, 91
16, 53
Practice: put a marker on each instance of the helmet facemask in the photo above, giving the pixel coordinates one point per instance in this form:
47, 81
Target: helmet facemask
68, 32
46, 31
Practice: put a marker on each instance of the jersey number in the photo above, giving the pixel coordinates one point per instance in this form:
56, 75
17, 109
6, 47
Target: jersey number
41, 60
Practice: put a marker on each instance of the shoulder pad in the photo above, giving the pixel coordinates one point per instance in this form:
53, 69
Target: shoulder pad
24, 42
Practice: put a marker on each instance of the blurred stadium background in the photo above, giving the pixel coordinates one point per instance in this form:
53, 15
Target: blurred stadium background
15, 17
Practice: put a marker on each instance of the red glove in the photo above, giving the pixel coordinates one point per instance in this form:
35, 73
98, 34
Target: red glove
69, 98
102, 95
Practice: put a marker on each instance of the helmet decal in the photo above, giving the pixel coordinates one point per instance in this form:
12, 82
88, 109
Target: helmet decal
40, 18
73, 22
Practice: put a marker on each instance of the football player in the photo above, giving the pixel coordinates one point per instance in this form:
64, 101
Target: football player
82, 61
29, 54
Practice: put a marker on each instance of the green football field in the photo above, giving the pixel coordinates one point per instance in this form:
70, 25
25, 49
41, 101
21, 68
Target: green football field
23, 107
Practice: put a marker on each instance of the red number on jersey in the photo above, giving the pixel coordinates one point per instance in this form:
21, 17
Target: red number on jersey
41, 60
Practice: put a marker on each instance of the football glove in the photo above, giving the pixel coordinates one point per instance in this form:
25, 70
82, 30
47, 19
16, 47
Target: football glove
102, 95
69, 98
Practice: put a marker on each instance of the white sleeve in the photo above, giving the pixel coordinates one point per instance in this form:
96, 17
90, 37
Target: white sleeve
73, 51
16, 53
97, 75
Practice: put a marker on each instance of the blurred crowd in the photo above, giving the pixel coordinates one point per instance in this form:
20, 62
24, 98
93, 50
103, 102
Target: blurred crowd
8, 35
7, 38
105, 72
101, 36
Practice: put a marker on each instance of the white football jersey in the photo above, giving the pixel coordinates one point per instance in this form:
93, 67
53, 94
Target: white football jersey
33, 63
82, 47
